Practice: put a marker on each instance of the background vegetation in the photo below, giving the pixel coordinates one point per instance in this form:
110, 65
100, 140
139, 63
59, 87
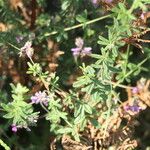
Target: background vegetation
74, 74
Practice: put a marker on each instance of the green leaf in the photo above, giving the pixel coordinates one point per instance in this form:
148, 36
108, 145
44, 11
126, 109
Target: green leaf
65, 130
65, 5
77, 111
5, 107
88, 89
81, 81
95, 123
87, 108
103, 41
81, 116
96, 56
82, 17
8, 115
114, 69
79, 119
90, 70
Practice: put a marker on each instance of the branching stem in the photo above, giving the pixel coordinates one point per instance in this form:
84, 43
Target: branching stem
80, 25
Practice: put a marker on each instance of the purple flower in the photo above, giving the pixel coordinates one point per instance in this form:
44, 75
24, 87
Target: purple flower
94, 1
142, 16
27, 49
19, 39
14, 128
134, 108
40, 97
135, 90
76, 51
86, 50
80, 49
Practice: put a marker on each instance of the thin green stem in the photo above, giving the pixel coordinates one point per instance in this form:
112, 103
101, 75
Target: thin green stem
130, 72
45, 83
4, 145
13, 46
118, 85
141, 63
79, 25
126, 61
133, 5
108, 113
68, 123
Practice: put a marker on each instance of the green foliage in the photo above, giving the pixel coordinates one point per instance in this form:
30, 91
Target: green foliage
34, 69
139, 4
18, 111
82, 18
71, 106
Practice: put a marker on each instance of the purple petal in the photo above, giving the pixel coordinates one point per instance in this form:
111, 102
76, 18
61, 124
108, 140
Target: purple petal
45, 103
76, 53
135, 90
134, 108
94, 1
126, 108
87, 50
76, 49
19, 39
14, 128
40, 97
142, 16
35, 100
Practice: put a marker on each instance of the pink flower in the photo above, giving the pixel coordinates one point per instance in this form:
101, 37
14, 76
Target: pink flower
133, 108
80, 49
76, 51
94, 1
86, 50
19, 39
135, 90
142, 16
14, 128
40, 97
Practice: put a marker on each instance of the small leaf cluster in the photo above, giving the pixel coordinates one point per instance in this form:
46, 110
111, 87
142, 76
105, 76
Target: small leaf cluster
19, 111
